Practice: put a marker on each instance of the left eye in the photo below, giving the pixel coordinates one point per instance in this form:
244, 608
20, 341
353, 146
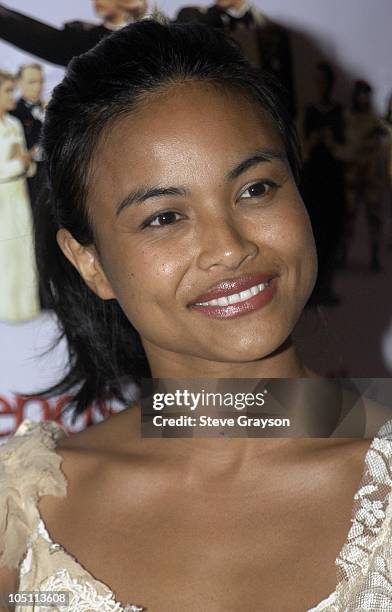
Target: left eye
258, 189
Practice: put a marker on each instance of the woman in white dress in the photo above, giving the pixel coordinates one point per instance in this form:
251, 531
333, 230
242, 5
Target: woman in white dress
18, 285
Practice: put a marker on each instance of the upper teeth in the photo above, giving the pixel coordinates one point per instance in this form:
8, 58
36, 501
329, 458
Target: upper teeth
235, 297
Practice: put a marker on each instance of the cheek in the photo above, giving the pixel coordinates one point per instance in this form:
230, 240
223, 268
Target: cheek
158, 266
297, 234
143, 275
288, 231
298, 237
291, 240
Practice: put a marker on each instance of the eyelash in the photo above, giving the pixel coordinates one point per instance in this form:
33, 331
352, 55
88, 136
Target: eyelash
268, 183
148, 222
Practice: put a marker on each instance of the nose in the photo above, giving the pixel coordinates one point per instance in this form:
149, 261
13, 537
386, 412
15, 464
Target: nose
224, 244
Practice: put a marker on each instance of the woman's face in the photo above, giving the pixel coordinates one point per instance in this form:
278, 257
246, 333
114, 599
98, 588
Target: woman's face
193, 191
133, 5
105, 8
31, 83
7, 98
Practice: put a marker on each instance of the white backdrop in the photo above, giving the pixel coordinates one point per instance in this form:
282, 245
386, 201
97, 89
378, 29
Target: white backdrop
24, 368
354, 34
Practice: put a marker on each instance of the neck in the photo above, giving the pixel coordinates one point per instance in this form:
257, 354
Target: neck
283, 363
226, 456
222, 459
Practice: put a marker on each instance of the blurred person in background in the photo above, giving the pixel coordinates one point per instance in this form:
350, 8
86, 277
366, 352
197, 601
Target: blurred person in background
56, 45
140, 9
388, 124
263, 42
110, 12
365, 169
323, 187
30, 110
18, 284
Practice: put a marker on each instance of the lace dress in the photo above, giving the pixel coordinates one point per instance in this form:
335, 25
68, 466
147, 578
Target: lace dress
30, 468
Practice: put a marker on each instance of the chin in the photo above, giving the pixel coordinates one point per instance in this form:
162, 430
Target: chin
252, 348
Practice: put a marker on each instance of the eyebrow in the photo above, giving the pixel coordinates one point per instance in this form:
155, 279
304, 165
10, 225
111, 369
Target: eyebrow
259, 156
143, 193
140, 195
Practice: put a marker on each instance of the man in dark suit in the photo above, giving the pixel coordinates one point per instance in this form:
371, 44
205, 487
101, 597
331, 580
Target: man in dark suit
30, 112
59, 46
264, 43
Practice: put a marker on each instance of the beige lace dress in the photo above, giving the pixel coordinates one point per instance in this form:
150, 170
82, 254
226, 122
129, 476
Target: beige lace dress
30, 468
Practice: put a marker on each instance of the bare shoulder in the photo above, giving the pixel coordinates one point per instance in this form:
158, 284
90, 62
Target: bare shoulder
347, 455
90, 458
114, 431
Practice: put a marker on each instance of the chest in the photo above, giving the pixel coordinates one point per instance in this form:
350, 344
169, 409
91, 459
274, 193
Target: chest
215, 550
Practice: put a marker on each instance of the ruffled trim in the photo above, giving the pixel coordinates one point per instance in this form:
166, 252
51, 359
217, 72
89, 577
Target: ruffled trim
83, 596
29, 469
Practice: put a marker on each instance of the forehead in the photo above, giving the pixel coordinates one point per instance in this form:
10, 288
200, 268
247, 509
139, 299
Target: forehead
31, 73
183, 117
187, 132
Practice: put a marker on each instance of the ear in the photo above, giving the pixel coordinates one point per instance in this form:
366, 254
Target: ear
86, 261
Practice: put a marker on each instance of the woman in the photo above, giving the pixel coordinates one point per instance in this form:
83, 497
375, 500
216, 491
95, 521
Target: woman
388, 124
18, 286
173, 173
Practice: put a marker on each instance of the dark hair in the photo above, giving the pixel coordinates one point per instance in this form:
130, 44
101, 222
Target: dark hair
105, 350
359, 88
329, 74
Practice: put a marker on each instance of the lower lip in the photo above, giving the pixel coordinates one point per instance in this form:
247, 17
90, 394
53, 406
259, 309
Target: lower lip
241, 308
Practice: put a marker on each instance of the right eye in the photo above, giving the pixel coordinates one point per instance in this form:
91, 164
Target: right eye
161, 219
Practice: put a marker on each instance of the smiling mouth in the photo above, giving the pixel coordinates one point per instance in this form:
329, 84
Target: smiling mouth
232, 305
236, 298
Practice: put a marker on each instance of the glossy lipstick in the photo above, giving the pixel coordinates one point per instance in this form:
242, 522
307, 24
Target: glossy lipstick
234, 288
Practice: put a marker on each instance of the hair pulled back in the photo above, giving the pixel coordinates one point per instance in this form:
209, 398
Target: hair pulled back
105, 350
